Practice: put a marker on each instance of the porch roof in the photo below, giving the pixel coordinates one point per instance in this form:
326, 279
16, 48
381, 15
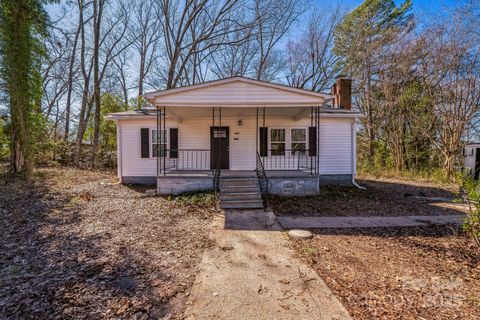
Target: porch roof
181, 113
237, 92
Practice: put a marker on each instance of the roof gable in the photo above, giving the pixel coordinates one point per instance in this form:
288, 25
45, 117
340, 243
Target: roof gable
237, 92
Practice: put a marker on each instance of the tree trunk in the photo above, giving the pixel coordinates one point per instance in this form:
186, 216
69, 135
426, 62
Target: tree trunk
97, 18
86, 81
449, 163
70, 77
141, 75
17, 54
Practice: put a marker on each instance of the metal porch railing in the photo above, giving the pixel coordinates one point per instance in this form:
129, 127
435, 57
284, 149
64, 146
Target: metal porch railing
183, 159
290, 160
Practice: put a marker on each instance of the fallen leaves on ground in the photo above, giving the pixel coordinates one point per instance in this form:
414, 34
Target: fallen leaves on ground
398, 273
76, 246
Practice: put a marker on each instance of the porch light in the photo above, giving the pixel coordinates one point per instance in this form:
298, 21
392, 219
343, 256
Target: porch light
240, 123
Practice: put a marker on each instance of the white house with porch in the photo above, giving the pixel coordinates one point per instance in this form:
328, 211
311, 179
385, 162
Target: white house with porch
243, 137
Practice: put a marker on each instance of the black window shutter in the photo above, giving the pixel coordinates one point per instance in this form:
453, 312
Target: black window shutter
263, 142
145, 143
173, 142
312, 141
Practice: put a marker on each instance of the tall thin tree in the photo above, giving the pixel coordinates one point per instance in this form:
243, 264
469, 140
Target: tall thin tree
22, 24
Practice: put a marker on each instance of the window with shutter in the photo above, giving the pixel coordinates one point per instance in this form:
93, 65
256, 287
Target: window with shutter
299, 141
277, 142
159, 143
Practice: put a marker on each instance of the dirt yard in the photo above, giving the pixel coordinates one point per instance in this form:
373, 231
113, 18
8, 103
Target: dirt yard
382, 197
76, 245
407, 273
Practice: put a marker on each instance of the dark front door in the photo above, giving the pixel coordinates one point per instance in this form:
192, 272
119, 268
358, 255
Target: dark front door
219, 154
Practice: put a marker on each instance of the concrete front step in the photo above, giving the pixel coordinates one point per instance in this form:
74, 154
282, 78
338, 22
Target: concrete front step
241, 188
238, 182
240, 193
241, 196
241, 204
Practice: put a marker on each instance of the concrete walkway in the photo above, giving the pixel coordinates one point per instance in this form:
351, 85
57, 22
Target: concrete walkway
310, 222
254, 275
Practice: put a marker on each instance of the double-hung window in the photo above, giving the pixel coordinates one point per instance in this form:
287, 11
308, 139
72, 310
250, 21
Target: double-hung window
159, 143
277, 142
299, 141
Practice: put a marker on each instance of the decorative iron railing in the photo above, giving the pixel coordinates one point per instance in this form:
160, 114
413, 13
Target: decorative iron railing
289, 159
262, 180
216, 182
183, 159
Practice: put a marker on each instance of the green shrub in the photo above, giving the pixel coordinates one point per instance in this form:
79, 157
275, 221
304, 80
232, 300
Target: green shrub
471, 224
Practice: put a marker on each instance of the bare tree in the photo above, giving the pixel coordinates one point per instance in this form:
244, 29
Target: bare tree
72, 72
236, 59
274, 19
450, 66
194, 27
105, 27
144, 33
311, 62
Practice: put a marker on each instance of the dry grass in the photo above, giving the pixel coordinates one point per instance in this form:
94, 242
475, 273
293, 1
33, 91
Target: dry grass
76, 245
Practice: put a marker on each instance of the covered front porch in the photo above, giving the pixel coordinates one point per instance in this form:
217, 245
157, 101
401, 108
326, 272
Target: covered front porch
232, 139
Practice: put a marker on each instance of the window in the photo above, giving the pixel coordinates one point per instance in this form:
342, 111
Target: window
299, 141
159, 143
219, 133
277, 142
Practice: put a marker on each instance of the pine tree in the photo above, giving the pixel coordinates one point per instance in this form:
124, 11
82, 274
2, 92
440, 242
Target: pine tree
359, 42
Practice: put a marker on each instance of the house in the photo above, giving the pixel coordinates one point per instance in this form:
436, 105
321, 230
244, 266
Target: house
242, 135
471, 159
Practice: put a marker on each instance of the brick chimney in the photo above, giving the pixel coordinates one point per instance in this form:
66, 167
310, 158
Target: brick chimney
342, 92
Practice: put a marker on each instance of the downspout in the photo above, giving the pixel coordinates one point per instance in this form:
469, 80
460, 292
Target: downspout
119, 152
354, 157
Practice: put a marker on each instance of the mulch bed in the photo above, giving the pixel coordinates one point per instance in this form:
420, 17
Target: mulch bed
402, 273
76, 245
381, 198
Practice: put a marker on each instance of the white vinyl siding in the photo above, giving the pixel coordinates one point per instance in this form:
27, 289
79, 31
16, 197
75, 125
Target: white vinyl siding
336, 146
335, 150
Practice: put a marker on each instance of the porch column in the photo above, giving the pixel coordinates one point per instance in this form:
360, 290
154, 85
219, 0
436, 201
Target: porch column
216, 142
159, 123
311, 125
317, 166
164, 142
256, 136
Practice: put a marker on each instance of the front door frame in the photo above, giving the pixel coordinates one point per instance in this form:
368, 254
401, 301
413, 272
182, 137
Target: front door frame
217, 146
